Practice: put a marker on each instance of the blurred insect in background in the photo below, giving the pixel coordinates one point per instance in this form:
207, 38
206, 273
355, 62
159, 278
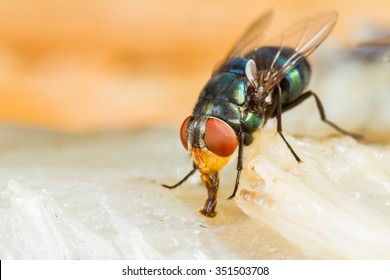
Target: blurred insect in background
254, 83
380, 45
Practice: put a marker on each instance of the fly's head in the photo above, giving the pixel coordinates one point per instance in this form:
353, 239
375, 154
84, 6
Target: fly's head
210, 142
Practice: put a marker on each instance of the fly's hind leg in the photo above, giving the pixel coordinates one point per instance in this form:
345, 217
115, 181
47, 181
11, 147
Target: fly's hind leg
303, 97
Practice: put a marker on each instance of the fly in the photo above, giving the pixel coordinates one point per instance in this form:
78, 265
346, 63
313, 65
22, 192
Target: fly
255, 82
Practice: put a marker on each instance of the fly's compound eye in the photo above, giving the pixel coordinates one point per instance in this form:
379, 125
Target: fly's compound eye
220, 137
183, 132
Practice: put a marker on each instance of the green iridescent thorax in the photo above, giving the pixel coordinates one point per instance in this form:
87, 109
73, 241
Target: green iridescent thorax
225, 97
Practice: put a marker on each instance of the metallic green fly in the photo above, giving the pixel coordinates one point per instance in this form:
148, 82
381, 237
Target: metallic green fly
256, 82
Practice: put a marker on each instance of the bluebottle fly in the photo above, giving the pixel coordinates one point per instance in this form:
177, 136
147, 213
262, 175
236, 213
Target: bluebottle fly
255, 82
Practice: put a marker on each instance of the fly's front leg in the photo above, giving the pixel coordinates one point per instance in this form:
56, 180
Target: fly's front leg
182, 180
239, 163
279, 123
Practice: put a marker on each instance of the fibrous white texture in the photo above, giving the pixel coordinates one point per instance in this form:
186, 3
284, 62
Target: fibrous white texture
336, 204
98, 195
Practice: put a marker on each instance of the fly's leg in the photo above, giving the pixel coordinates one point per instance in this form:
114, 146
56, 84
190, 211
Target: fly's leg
211, 182
279, 123
303, 97
239, 163
182, 180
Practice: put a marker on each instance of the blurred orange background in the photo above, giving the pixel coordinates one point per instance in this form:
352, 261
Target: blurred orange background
85, 65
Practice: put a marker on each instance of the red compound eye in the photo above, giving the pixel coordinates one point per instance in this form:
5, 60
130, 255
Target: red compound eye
183, 132
220, 138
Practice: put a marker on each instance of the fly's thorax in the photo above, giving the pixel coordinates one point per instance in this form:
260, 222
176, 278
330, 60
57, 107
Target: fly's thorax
236, 65
221, 109
225, 96
225, 87
210, 142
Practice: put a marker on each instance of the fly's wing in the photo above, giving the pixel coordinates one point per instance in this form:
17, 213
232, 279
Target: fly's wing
250, 40
300, 40
252, 37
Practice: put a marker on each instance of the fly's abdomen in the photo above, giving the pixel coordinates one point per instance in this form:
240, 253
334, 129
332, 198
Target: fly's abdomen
296, 79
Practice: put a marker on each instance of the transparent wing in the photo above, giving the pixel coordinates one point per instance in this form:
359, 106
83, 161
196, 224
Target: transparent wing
249, 40
252, 37
300, 39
